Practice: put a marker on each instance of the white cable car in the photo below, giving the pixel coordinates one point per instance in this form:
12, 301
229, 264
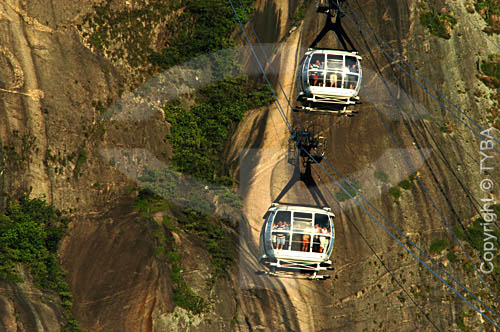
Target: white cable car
297, 237
329, 78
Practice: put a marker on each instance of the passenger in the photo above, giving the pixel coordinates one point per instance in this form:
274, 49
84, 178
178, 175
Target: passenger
323, 243
275, 226
323, 240
325, 230
315, 78
353, 68
315, 65
317, 229
322, 65
333, 80
306, 239
280, 237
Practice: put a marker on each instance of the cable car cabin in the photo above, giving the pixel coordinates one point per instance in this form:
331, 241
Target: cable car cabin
329, 78
296, 237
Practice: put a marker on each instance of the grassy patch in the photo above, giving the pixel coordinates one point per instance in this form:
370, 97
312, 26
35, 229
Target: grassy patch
207, 228
80, 161
351, 189
438, 24
381, 176
207, 24
452, 257
490, 76
17, 153
395, 192
300, 13
184, 296
199, 134
490, 12
438, 246
408, 183
148, 202
30, 233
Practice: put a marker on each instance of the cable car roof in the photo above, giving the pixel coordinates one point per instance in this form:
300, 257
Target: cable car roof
301, 208
332, 51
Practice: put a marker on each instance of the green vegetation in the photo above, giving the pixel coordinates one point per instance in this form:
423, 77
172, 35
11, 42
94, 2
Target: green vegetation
439, 24
300, 12
491, 69
17, 154
438, 246
82, 158
30, 232
198, 135
475, 238
408, 183
490, 12
194, 220
395, 192
351, 188
461, 321
452, 257
380, 175
148, 202
208, 25
184, 296
490, 75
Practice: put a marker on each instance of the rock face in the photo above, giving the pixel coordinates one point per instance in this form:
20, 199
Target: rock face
60, 95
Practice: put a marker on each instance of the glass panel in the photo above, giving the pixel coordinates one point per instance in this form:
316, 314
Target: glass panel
317, 70
318, 61
321, 221
280, 240
352, 64
350, 82
284, 217
320, 243
333, 79
335, 62
302, 222
301, 242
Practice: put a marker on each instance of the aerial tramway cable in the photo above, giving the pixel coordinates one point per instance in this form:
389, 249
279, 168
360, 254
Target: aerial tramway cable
391, 273
413, 69
420, 84
372, 217
405, 247
423, 186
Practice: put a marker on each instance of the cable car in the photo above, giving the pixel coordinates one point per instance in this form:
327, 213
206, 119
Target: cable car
297, 238
329, 80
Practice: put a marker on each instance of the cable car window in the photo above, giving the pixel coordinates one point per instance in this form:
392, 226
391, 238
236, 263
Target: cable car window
301, 242
321, 220
317, 61
335, 62
350, 82
352, 63
320, 243
282, 216
317, 70
280, 229
280, 240
302, 222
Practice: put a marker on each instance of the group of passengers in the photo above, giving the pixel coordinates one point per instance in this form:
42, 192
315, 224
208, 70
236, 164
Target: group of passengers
279, 239
320, 242
316, 74
323, 240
